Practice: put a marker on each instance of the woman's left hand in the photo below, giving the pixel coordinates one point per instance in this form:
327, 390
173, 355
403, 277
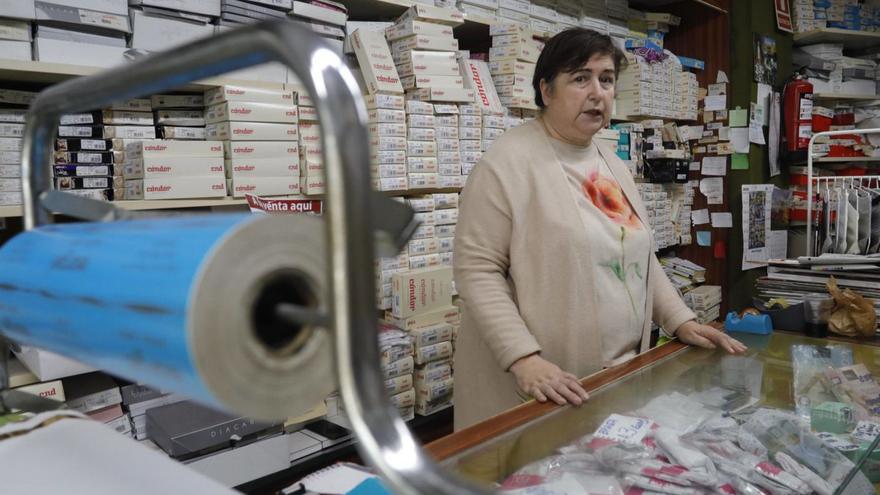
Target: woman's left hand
700, 335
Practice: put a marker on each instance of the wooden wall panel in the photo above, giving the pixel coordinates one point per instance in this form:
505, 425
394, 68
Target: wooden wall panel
704, 34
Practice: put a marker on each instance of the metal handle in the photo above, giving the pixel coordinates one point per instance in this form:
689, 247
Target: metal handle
384, 440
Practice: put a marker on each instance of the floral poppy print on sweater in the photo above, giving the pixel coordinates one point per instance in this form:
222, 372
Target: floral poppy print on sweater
607, 196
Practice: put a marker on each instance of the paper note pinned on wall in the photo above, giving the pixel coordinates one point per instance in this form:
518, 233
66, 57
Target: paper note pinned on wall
694, 167
716, 102
700, 217
713, 189
739, 161
722, 220
756, 133
764, 92
721, 114
717, 89
721, 77
704, 238
739, 139
739, 117
724, 133
714, 165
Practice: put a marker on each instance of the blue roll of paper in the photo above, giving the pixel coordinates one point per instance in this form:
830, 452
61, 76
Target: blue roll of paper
186, 304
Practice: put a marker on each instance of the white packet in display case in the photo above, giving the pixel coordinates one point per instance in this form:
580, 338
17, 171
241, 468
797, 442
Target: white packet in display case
809, 364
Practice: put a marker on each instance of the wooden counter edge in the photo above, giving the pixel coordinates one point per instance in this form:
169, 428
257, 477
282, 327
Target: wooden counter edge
479, 433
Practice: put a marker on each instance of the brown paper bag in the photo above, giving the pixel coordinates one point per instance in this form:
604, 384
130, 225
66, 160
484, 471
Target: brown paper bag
852, 315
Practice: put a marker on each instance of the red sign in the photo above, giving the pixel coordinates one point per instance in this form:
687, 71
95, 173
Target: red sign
269, 205
783, 16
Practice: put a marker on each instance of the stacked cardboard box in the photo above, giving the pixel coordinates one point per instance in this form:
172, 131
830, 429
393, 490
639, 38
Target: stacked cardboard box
543, 16
238, 12
16, 19
90, 153
388, 134
422, 306
156, 27
643, 89
512, 59
513, 11
470, 131
311, 158
423, 47
261, 134
13, 107
387, 267
705, 300
448, 145
326, 18
421, 145
386, 111
179, 117
97, 396
432, 245
137, 400
803, 16
483, 9
568, 13
175, 169
685, 275
659, 208
396, 354
83, 33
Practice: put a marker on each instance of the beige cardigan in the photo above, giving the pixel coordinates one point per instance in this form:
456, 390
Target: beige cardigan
524, 271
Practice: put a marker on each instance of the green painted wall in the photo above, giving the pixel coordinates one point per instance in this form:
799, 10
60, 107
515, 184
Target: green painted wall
746, 18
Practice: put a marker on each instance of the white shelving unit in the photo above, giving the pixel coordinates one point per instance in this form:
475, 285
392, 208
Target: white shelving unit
842, 97
850, 39
811, 178
825, 159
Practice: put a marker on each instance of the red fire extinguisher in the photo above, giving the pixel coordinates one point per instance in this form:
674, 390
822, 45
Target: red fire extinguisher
798, 110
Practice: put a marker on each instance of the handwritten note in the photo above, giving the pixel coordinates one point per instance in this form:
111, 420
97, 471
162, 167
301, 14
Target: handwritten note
756, 133
713, 189
700, 217
722, 220
714, 165
624, 429
716, 102
739, 139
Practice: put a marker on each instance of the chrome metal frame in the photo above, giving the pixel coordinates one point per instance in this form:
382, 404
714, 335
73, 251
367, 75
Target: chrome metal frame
810, 177
383, 438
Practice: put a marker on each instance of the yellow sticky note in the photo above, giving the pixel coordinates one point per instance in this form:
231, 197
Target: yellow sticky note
738, 117
739, 161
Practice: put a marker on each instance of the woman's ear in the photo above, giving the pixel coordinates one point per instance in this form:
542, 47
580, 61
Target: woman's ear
546, 91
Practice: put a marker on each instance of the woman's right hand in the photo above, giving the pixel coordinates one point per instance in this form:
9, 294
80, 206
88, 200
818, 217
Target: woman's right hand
544, 380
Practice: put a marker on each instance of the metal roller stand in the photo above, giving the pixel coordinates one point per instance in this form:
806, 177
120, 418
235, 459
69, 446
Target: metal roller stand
354, 212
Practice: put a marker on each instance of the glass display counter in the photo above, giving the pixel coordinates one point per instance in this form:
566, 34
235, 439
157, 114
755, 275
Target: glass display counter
668, 376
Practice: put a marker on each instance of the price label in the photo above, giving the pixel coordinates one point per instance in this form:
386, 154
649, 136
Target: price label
624, 429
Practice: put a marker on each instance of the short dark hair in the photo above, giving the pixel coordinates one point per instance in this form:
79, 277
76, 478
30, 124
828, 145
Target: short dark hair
568, 51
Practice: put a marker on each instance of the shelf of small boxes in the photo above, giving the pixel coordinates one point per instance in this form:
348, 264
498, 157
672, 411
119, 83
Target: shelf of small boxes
853, 24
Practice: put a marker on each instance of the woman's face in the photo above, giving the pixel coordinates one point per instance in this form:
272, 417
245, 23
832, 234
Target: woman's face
578, 104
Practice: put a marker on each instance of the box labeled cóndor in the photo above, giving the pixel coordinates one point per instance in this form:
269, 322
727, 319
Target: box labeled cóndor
265, 186
263, 167
261, 149
245, 111
251, 131
249, 94
421, 291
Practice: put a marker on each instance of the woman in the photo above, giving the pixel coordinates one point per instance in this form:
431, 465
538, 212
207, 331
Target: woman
554, 259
